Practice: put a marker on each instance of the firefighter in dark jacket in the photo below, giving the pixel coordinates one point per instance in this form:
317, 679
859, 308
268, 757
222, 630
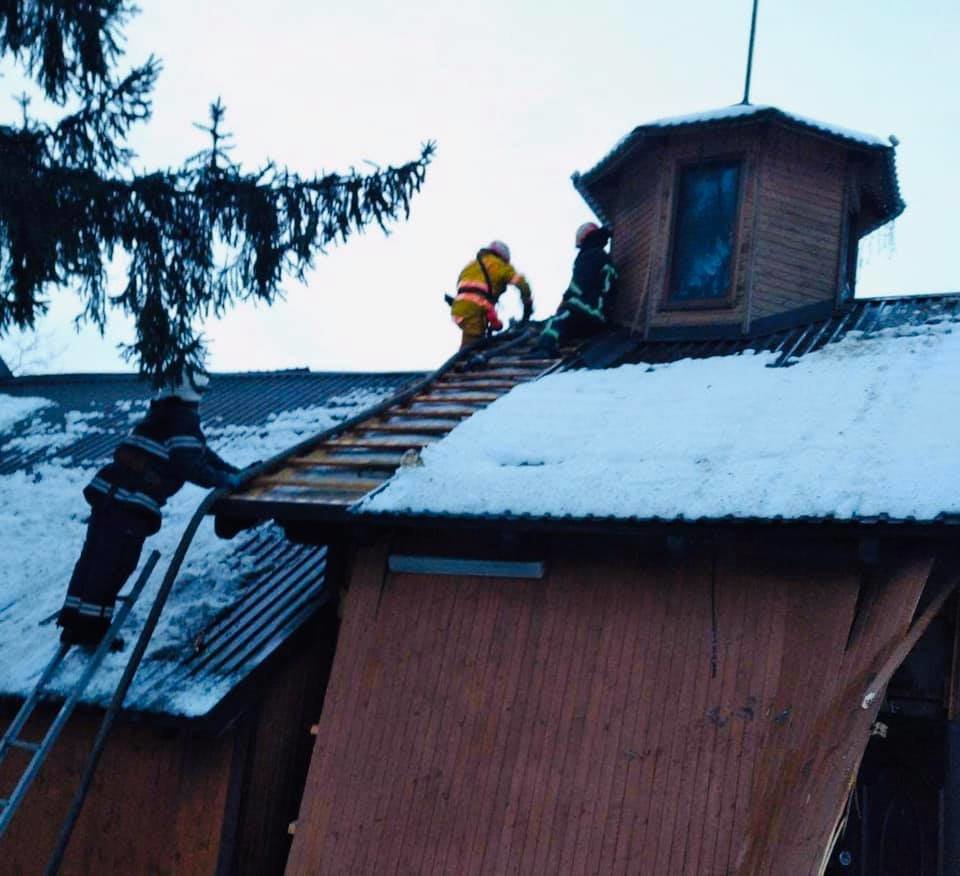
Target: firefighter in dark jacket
586, 303
164, 450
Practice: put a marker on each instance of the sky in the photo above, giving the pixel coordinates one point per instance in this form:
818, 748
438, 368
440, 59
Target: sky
518, 95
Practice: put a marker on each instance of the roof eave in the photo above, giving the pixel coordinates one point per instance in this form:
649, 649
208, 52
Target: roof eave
587, 181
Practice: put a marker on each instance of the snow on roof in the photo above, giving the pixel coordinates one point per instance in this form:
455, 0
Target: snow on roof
884, 148
739, 110
867, 426
42, 526
13, 409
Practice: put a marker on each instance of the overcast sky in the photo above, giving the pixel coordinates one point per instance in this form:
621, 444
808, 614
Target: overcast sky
518, 95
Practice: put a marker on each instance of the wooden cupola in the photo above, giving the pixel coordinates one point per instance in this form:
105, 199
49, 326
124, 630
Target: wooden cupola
740, 221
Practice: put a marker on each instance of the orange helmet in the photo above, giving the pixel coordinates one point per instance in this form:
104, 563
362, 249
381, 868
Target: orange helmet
500, 248
585, 230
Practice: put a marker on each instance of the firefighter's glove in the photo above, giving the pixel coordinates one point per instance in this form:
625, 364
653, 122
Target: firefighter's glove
234, 481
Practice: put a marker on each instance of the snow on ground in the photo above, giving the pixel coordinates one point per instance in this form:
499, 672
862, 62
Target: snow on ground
866, 426
13, 409
42, 526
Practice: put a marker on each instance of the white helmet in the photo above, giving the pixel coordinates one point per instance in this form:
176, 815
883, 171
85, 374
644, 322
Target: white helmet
191, 387
587, 230
500, 248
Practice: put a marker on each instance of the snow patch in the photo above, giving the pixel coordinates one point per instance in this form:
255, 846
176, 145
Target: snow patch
43, 522
745, 110
13, 409
867, 426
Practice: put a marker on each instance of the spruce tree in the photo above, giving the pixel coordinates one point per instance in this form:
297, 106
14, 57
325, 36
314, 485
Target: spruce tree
197, 238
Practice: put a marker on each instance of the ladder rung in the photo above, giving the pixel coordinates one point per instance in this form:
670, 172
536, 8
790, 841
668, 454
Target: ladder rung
23, 745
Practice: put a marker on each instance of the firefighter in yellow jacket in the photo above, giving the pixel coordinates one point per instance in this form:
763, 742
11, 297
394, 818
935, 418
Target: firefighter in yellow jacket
481, 283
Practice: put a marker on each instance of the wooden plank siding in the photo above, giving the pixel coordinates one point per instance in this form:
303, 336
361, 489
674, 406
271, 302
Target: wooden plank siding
178, 800
629, 713
788, 228
634, 236
156, 804
800, 223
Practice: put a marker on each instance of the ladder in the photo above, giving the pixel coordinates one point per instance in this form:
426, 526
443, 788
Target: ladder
40, 750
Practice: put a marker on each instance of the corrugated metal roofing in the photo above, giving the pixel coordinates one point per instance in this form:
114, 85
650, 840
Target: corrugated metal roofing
285, 589
283, 583
869, 315
897, 316
246, 399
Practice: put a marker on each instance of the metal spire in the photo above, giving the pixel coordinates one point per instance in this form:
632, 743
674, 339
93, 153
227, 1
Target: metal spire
753, 33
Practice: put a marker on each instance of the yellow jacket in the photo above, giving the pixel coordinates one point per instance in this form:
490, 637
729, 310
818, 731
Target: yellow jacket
502, 274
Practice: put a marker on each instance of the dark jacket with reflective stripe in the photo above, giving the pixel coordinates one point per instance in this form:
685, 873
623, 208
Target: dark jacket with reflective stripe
591, 288
166, 449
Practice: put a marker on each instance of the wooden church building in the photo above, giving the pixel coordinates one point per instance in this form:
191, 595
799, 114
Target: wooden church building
680, 601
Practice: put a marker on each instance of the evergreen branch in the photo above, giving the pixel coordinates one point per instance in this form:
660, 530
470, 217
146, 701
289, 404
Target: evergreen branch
67, 47
197, 238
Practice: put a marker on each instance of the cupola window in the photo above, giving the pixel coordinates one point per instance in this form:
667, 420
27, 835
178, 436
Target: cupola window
705, 221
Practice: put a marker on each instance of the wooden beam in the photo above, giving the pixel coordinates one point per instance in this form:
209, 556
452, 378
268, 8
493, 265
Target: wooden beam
380, 462
479, 384
390, 443
412, 428
361, 485
446, 413
475, 398
900, 652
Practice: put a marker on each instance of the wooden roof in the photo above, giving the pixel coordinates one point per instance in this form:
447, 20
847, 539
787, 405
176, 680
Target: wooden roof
325, 476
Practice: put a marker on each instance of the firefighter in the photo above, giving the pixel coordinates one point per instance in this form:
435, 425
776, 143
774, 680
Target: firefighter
164, 450
586, 303
481, 283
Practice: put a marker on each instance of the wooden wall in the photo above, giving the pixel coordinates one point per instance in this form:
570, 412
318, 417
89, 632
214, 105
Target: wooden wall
801, 209
635, 228
171, 801
629, 713
788, 232
156, 805
277, 754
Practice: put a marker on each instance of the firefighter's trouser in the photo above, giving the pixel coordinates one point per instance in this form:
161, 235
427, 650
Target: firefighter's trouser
569, 323
111, 551
472, 321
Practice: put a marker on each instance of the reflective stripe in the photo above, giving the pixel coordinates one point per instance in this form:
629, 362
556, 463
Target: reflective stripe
147, 444
129, 496
585, 308
473, 286
92, 609
184, 442
609, 275
484, 304
71, 602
